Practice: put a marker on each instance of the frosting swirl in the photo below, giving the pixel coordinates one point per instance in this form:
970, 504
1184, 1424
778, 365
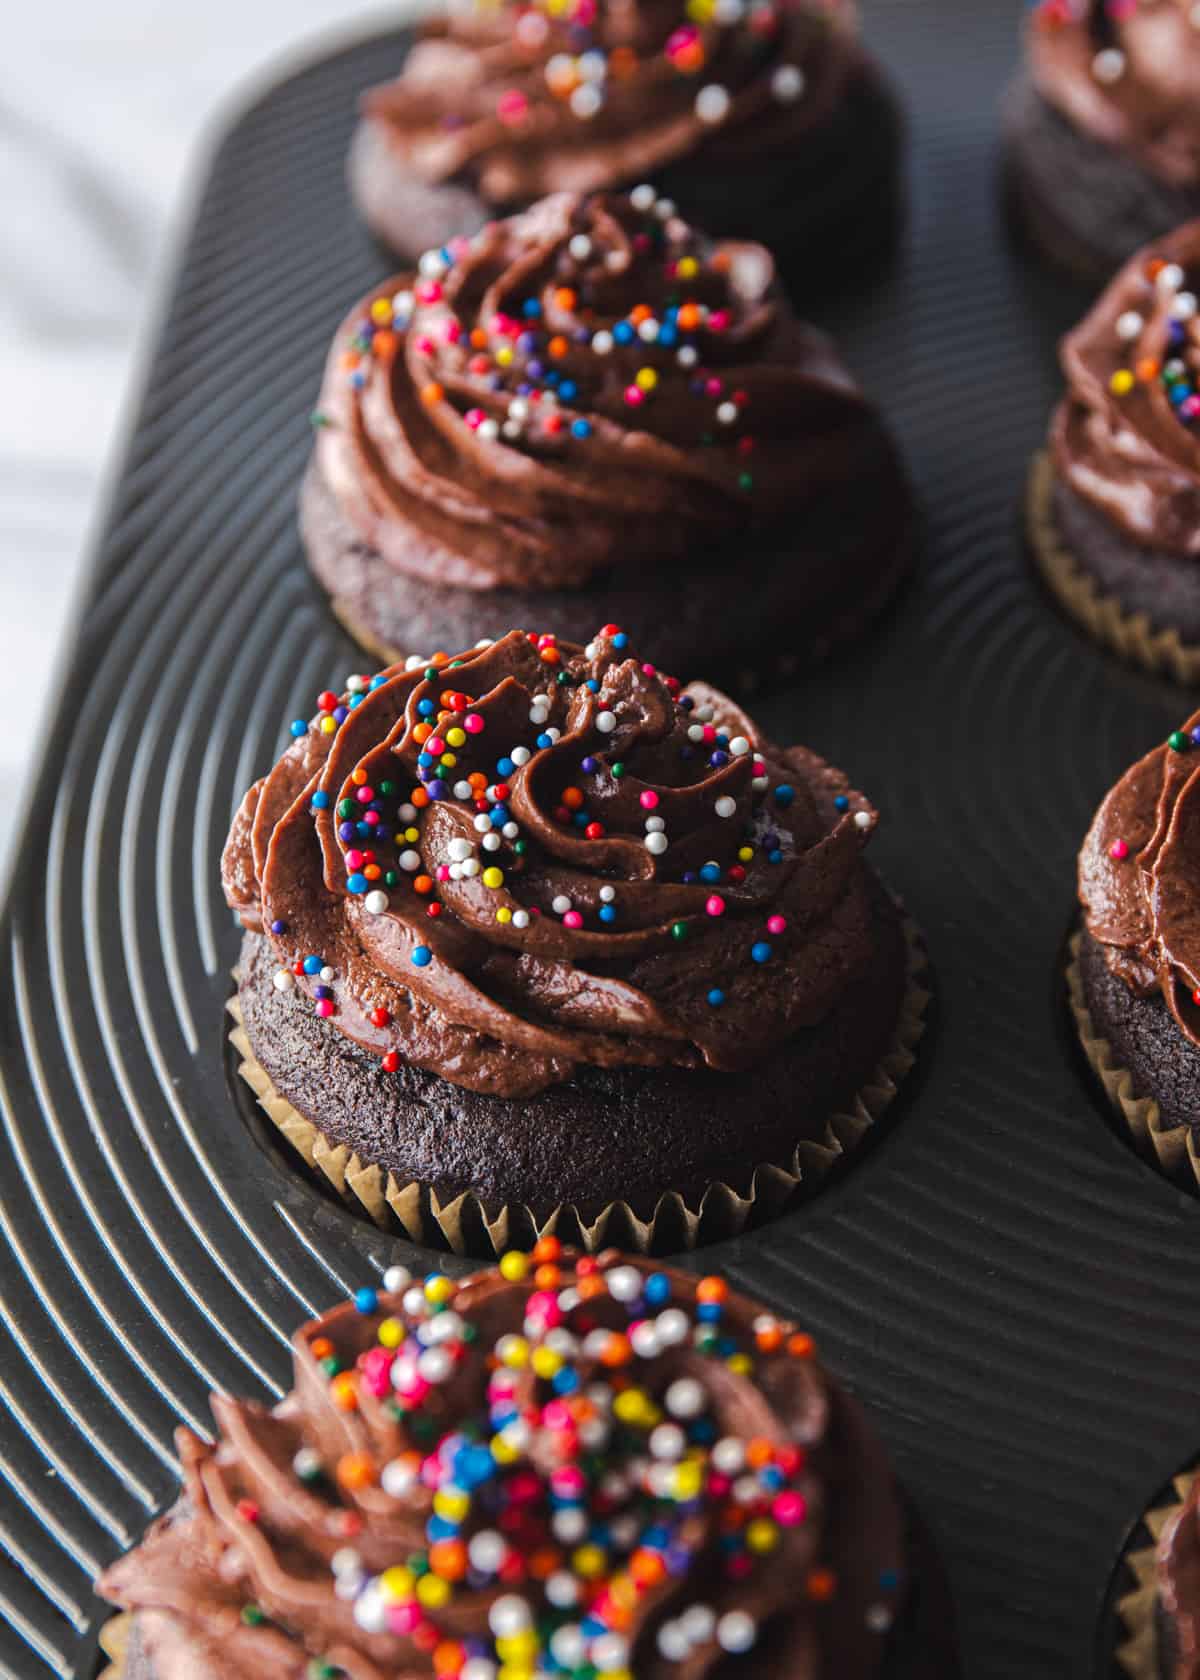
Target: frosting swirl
588, 385
523, 100
550, 1467
1125, 72
537, 856
1139, 876
1125, 435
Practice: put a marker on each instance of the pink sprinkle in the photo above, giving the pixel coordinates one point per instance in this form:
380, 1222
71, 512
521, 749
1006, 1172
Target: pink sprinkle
425, 345
713, 387
1119, 849
429, 292
435, 745
325, 1006
404, 1618
648, 669
573, 919
776, 924
718, 320
649, 799
474, 418
512, 106
371, 818
365, 795
715, 905
443, 871
354, 860
789, 1509
452, 332
556, 1414
634, 397
1190, 407
473, 724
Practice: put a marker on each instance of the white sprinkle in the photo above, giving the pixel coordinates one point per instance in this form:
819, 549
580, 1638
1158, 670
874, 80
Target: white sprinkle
561, 1589
610, 1651
673, 1643
398, 1479
739, 746
488, 429
672, 1326
482, 823
284, 979
520, 755
602, 343
370, 1612
470, 868
569, 1526
1109, 66
644, 1341
487, 1550
432, 265
492, 842
395, 1279
624, 1282
459, 848
712, 103
327, 974
728, 1456
510, 830
656, 843
698, 1622
648, 331
664, 209
402, 303
607, 894
727, 413
1170, 278
655, 825
560, 905
508, 1615
695, 732
606, 722
463, 790
667, 1442
879, 1618
520, 918
518, 409
725, 806
586, 100
413, 660
593, 65
787, 84
580, 247
736, 1631
345, 1561
685, 1398
307, 1463
687, 355
862, 819
409, 861
642, 198
1184, 306
375, 903
1129, 325
407, 813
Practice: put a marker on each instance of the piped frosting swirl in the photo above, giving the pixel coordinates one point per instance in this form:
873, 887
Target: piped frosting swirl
537, 856
557, 1467
588, 386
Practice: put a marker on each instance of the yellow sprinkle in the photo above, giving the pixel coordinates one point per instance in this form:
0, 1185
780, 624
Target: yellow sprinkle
433, 1591
513, 1351
398, 1582
438, 1289
514, 1265
687, 1481
493, 878
504, 914
504, 355
456, 737
449, 760
327, 725
390, 1333
687, 268
761, 1535
412, 835
1121, 383
546, 1363
451, 1503
740, 1364
645, 379
518, 1647
381, 310
745, 853
503, 1451
587, 1561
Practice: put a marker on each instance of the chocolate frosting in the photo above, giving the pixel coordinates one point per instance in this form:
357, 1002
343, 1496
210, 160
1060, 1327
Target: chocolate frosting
594, 1462
1178, 1573
538, 856
519, 101
588, 385
1125, 72
1139, 876
1124, 437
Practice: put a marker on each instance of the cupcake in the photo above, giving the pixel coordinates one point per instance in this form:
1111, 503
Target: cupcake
764, 122
587, 1467
1136, 968
1104, 128
1161, 1610
535, 935
591, 411
1115, 506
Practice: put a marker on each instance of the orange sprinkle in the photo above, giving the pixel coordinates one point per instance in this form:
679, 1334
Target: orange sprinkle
372, 872
821, 1584
564, 298
759, 1452
720, 260
448, 1657
801, 1345
572, 798
558, 346
688, 318
321, 1347
769, 1338
432, 393
1155, 267
345, 1392
350, 359
384, 343
588, 1288
477, 779
547, 1248
422, 732
639, 313
448, 1558
358, 777
440, 659
422, 884
356, 1470
1148, 370
712, 1289
419, 798
622, 61
550, 656
616, 1351
544, 1562
547, 1277
646, 1567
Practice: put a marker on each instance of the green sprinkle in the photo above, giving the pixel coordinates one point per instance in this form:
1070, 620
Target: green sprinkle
679, 930
1178, 741
252, 1615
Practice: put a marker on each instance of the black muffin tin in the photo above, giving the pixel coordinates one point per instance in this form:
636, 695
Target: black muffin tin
1003, 1281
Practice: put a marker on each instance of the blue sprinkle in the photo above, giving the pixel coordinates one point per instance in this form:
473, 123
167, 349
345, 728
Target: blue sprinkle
888, 1578
579, 428
278, 927
355, 700
567, 389
657, 1289
321, 801
298, 728
422, 956
424, 759
340, 714
785, 793
623, 333
716, 997
565, 1381
620, 640
708, 1312
377, 682
426, 708
313, 965
710, 873
322, 992
686, 703
592, 685
607, 913
775, 855
667, 336
841, 803
718, 758
356, 883
581, 819
544, 741
761, 951
531, 308
505, 767
366, 1300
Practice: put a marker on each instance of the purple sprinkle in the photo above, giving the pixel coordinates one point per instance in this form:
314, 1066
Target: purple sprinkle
346, 831
535, 368
689, 877
587, 765
340, 714
437, 788
322, 992
278, 927
718, 758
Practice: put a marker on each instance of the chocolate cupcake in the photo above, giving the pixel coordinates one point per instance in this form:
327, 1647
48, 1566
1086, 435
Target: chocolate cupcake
764, 122
1104, 128
593, 412
587, 1467
535, 936
1161, 1608
1136, 974
1115, 507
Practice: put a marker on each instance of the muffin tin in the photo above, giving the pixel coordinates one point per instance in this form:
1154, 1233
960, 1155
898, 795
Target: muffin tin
1000, 1278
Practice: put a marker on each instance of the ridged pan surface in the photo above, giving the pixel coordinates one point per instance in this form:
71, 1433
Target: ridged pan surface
1009, 1288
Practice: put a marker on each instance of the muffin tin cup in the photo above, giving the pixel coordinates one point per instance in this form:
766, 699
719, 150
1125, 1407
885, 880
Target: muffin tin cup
465, 1226
1130, 634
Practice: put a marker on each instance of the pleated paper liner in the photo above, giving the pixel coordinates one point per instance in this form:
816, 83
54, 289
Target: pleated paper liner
114, 1644
1172, 1149
1129, 634
467, 1226
1138, 1653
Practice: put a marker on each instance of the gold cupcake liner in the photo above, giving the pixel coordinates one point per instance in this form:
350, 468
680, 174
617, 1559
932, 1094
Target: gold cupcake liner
114, 1644
1129, 634
1138, 1651
1171, 1148
417, 1212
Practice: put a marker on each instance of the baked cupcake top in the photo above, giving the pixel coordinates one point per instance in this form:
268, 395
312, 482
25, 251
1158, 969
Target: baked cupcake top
523, 100
1139, 876
559, 1467
537, 856
1125, 72
1126, 436
588, 385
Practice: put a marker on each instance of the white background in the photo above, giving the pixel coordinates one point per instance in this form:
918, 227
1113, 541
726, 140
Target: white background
106, 113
